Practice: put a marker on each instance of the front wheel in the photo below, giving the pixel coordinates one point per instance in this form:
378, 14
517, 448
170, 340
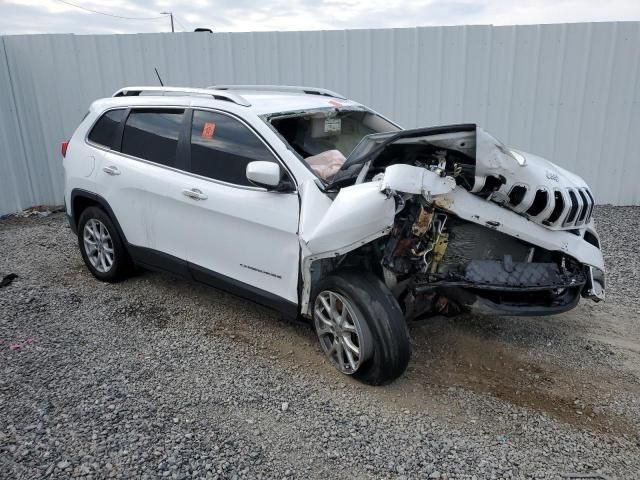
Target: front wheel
360, 326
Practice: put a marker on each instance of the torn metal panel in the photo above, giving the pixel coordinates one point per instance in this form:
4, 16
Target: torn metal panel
356, 213
357, 216
469, 156
474, 209
415, 180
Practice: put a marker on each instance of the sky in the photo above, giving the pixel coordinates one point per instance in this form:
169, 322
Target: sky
55, 16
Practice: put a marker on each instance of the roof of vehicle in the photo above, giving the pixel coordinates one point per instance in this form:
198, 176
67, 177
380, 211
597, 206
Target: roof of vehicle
261, 99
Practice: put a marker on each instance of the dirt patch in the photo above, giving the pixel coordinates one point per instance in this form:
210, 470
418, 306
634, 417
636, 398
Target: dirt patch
448, 356
457, 358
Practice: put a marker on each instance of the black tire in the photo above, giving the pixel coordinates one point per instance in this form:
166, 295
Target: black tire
382, 319
121, 266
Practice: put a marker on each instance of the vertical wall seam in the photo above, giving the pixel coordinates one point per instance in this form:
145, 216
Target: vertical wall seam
11, 175
559, 80
606, 103
583, 92
17, 114
626, 133
533, 115
418, 94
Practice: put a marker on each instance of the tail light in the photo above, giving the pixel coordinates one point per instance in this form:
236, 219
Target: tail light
63, 148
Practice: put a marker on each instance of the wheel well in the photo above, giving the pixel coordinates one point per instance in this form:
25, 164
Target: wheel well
81, 200
364, 258
80, 204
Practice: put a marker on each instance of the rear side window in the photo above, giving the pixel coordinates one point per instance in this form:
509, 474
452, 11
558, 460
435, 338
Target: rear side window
153, 135
104, 131
221, 148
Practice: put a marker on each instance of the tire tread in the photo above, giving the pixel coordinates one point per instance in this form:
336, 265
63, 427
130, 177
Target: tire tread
392, 347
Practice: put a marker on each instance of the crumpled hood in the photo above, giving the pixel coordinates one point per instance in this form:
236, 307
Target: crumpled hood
522, 182
532, 185
553, 172
516, 166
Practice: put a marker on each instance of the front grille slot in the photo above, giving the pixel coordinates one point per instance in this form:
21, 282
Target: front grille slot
573, 211
585, 206
539, 203
592, 203
557, 209
516, 195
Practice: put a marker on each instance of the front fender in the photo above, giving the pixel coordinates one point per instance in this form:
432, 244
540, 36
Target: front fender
357, 213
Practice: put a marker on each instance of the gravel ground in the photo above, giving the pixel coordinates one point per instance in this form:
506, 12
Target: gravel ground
158, 377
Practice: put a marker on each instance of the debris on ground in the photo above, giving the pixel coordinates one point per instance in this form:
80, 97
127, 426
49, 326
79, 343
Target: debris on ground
7, 279
35, 211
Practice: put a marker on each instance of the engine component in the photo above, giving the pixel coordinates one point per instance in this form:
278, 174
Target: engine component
439, 249
417, 242
423, 222
469, 241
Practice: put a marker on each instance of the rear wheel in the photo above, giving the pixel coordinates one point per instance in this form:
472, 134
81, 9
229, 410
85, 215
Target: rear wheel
360, 327
102, 248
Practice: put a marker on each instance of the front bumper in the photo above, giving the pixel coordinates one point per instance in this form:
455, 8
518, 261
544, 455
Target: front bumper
507, 303
511, 288
595, 286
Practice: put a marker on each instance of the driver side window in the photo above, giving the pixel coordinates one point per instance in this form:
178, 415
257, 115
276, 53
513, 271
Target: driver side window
221, 148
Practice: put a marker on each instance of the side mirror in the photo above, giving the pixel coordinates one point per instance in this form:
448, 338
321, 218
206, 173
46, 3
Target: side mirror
264, 174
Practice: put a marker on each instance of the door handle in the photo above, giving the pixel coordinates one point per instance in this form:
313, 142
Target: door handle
194, 194
111, 170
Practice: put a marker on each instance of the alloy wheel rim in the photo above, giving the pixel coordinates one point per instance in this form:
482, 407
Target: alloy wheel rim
339, 331
98, 245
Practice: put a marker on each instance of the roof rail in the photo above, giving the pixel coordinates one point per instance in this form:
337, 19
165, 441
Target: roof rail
281, 88
216, 94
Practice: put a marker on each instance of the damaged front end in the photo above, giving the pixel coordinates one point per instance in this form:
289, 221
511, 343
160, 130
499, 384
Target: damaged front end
452, 220
436, 263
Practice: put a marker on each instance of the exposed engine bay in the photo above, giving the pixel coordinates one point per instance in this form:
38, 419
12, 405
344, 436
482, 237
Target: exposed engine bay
449, 218
436, 263
344, 147
526, 184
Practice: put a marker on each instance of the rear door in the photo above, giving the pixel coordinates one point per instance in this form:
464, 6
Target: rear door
132, 175
233, 232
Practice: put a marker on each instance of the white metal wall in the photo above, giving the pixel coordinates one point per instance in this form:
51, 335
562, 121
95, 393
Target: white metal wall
568, 92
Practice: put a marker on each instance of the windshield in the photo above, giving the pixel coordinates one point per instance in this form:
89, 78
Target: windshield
325, 138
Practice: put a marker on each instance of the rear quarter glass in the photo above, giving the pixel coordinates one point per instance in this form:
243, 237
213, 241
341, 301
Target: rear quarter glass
105, 129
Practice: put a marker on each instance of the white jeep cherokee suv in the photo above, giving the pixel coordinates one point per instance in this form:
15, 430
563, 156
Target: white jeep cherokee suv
315, 205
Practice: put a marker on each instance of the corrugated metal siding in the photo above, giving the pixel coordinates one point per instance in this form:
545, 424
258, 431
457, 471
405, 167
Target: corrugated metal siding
567, 92
12, 164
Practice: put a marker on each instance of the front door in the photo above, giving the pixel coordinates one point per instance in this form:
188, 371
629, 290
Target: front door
236, 235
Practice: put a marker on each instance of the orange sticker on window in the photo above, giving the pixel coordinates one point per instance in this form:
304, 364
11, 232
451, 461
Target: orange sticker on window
208, 130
